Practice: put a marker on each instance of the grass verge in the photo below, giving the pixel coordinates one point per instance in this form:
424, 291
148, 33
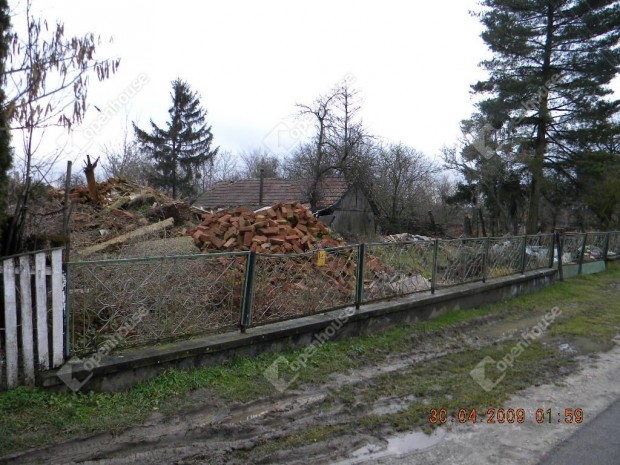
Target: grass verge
591, 308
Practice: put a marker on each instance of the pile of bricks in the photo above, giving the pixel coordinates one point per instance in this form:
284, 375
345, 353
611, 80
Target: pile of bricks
285, 227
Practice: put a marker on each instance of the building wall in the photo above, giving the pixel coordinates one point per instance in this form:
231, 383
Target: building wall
354, 215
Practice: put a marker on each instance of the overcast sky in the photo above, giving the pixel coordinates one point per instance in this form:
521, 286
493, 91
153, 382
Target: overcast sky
252, 61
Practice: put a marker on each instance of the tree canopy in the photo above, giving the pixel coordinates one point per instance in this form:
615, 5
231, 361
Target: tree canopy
183, 146
5, 136
547, 99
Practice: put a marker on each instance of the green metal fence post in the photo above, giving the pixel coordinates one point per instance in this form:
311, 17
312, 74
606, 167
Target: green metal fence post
485, 259
248, 292
606, 247
551, 251
434, 275
558, 244
582, 253
359, 280
524, 255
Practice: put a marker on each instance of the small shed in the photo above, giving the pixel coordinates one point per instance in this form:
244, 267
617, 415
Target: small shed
342, 206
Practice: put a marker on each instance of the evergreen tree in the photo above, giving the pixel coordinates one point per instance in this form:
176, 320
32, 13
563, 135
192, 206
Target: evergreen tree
547, 93
5, 150
183, 146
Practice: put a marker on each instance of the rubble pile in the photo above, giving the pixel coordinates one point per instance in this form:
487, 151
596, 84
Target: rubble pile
406, 237
285, 227
123, 211
116, 194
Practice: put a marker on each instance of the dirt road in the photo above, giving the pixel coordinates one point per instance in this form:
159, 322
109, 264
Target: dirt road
594, 387
379, 412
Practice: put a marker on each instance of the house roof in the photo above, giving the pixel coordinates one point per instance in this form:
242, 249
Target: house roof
331, 190
245, 193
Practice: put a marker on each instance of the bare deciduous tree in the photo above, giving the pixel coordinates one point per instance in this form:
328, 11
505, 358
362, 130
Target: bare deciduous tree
258, 159
222, 167
402, 186
124, 159
46, 83
338, 143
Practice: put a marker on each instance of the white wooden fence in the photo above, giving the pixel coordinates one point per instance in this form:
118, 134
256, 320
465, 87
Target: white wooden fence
39, 277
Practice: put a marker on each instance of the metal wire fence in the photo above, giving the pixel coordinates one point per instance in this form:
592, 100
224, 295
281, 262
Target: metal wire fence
505, 256
287, 286
149, 300
572, 246
396, 269
613, 247
138, 301
460, 261
595, 247
539, 252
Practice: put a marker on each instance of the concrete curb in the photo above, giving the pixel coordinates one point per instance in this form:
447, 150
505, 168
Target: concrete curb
121, 371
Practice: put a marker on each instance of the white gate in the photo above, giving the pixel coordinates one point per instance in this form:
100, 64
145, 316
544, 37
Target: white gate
34, 305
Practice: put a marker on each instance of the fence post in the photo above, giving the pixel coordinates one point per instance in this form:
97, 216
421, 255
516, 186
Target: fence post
558, 244
524, 255
248, 292
434, 275
581, 253
58, 309
606, 247
551, 250
10, 323
41, 296
25, 294
67, 270
485, 259
359, 280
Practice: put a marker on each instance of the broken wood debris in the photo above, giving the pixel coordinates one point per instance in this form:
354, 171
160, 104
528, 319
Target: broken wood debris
149, 229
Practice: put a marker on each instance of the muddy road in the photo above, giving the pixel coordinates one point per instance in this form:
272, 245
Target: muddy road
380, 412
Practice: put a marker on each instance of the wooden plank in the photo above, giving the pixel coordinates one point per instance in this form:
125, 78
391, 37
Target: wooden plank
58, 307
41, 296
48, 271
25, 294
151, 228
10, 323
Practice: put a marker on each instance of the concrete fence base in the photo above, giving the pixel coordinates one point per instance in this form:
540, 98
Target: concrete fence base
121, 371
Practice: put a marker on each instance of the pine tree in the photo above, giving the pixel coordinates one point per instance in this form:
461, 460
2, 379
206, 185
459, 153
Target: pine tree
183, 146
548, 93
5, 149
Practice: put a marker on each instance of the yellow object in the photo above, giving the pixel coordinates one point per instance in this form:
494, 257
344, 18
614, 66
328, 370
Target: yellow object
321, 257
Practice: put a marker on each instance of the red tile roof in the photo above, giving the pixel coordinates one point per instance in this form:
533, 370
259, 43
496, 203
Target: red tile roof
331, 191
245, 193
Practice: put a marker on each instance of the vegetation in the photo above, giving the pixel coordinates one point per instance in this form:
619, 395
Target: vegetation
183, 146
546, 111
5, 135
590, 307
46, 84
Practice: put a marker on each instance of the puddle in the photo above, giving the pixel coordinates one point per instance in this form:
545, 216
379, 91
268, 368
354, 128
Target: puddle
585, 345
394, 446
567, 348
504, 328
248, 415
410, 442
252, 413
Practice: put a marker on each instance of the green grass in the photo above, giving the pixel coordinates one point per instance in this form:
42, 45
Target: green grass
31, 417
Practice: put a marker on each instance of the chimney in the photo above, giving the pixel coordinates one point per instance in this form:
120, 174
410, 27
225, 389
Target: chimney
260, 189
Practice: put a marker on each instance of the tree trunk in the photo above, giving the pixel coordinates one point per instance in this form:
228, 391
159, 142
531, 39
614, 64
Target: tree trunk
484, 230
467, 229
536, 165
89, 171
